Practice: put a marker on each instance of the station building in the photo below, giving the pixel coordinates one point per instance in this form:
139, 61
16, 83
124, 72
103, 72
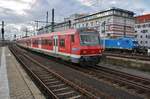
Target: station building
142, 28
61, 26
110, 23
57, 27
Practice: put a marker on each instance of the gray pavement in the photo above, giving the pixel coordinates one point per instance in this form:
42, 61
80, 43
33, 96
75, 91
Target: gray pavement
4, 88
14, 82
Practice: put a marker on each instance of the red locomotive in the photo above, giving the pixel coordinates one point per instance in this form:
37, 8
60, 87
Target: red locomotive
76, 45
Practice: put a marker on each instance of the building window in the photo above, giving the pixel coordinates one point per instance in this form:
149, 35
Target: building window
97, 22
141, 42
82, 25
91, 23
108, 20
144, 25
144, 31
86, 24
145, 42
149, 25
141, 36
139, 26
79, 25
146, 36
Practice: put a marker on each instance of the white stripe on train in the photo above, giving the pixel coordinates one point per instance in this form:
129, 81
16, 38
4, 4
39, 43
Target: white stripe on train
60, 53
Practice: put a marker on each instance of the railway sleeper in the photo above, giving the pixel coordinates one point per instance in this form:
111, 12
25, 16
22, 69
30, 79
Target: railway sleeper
47, 77
48, 80
141, 91
52, 83
68, 94
60, 89
64, 90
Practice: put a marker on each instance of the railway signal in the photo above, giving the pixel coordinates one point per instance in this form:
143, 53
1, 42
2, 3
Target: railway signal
2, 30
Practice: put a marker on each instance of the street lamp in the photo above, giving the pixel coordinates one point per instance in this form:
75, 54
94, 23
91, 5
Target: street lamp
104, 31
124, 27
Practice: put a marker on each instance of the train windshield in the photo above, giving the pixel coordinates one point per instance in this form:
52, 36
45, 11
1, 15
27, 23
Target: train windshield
89, 39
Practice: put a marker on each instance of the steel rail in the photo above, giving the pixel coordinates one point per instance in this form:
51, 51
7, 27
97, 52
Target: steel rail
76, 87
144, 58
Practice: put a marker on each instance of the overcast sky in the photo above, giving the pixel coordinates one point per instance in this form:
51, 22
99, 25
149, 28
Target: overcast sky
21, 13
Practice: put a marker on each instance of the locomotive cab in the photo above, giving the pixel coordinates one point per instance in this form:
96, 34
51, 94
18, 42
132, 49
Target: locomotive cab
90, 49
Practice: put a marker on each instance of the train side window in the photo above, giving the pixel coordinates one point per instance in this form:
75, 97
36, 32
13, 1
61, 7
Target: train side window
46, 42
42, 42
72, 38
50, 42
54, 42
35, 42
62, 43
39, 41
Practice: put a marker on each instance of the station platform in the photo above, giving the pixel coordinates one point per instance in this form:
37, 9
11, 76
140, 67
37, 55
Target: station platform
14, 82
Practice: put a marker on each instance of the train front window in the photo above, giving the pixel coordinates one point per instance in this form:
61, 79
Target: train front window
89, 39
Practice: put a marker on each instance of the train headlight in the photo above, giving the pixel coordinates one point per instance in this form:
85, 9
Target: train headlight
84, 52
100, 51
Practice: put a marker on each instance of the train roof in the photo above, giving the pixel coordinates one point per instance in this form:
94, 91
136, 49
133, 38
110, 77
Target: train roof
69, 31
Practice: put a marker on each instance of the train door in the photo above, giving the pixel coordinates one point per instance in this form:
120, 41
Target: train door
55, 47
40, 43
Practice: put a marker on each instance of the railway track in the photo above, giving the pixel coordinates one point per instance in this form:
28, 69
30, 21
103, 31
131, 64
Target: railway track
139, 84
136, 84
52, 85
129, 56
131, 83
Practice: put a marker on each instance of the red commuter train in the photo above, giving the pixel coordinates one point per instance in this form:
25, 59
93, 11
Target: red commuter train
76, 45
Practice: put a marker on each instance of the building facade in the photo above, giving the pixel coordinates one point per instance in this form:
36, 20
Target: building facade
57, 27
142, 28
110, 23
113, 22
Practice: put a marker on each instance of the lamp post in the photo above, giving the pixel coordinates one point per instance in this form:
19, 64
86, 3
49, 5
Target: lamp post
104, 31
124, 27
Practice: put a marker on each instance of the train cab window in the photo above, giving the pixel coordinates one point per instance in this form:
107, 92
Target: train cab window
89, 39
72, 38
62, 43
